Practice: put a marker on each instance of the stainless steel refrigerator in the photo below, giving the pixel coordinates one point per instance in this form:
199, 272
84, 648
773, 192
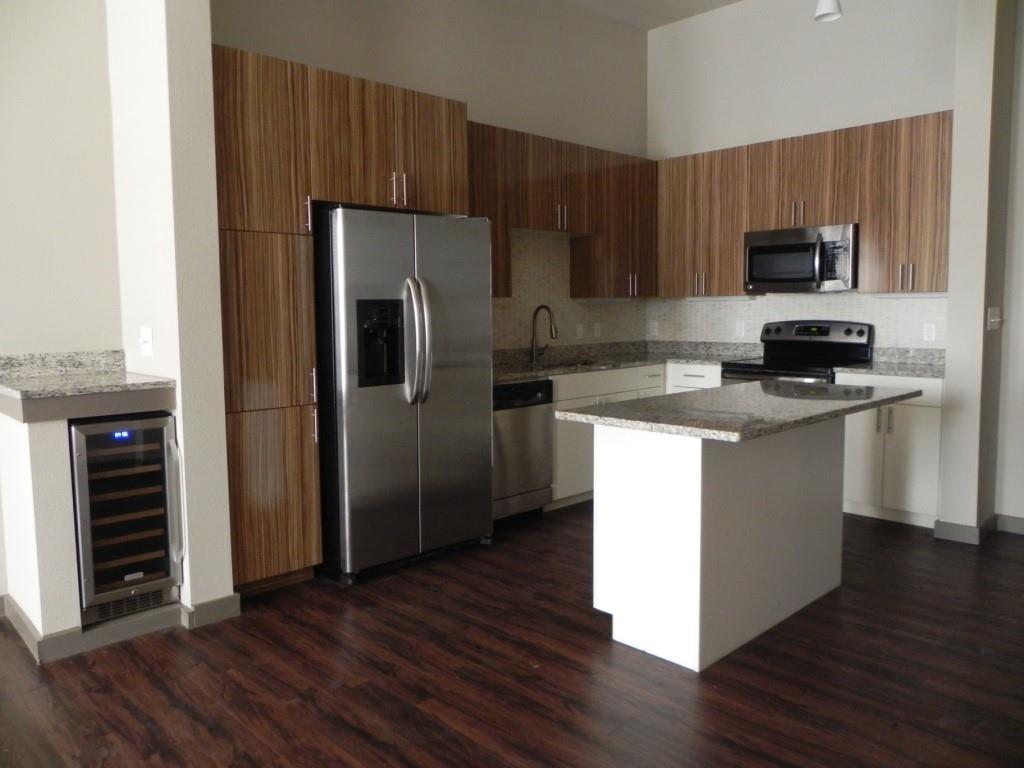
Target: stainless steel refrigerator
404, 369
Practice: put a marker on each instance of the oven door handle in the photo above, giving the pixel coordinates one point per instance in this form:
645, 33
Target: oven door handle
819, 245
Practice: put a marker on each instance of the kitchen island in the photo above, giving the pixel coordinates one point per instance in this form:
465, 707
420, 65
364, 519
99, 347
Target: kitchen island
718, 513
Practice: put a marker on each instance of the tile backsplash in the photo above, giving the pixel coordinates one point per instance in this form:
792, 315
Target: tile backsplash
540, 275
899, 320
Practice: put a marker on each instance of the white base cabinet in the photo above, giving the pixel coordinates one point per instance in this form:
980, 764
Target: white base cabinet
574, 443
891, 465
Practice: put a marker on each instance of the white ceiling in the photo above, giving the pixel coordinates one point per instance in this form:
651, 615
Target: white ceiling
648, 14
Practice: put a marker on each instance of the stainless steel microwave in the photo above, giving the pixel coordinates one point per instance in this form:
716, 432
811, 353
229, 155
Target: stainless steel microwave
807, 260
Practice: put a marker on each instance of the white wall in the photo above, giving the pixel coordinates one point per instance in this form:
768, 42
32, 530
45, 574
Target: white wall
58, 265
162, 93
1010, 480
542, 66
764, 69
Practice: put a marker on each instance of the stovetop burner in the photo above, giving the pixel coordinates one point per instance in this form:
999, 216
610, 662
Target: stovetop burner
806, 350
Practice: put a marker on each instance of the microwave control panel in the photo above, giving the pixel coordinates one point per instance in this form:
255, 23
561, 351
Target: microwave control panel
836, 255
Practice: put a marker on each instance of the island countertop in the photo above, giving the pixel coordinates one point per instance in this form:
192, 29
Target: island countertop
741, 411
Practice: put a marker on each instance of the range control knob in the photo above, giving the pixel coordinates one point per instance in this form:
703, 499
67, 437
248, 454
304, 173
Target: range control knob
848, 331
778, 329
860, 331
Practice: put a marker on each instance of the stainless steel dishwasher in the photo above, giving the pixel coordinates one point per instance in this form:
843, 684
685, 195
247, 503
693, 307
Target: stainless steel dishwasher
523, 437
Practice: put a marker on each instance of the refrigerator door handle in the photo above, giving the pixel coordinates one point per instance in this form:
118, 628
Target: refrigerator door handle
414, 386
428, 341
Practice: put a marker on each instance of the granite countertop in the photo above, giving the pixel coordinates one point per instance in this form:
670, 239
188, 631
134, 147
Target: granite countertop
30, 387
739, 412
514, 372
898, 368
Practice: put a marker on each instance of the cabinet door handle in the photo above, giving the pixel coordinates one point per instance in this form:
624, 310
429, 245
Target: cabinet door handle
704, 285
878, 421
312, 377
405, 192
900, 277
910, 279
696, 284
316, 427
394, 187
890, 425
792, 214
309, 213
802, 219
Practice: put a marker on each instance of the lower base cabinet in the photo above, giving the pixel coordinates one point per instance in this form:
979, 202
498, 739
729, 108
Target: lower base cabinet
274, 489
891, 465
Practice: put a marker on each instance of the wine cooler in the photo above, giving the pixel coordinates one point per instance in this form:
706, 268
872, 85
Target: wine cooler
127, 509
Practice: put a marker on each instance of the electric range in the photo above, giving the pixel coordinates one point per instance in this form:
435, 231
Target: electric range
806, 351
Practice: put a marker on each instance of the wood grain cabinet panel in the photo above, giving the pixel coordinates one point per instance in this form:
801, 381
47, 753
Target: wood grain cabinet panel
843, 184
262, 141
544, 184
274, 491
883, 200
767, 205
433, 154
268, 321
930, 138
497, 168
353, 141
678, 226
723, 181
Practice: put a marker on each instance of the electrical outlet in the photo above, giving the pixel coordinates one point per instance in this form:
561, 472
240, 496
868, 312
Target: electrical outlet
652, 328
929, 332
741, 329
597, 330
146, 341
579, 330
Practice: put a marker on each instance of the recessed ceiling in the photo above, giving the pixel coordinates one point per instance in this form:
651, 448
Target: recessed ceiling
648, 14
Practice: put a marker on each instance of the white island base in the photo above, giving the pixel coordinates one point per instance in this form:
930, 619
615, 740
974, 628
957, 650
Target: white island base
701, 545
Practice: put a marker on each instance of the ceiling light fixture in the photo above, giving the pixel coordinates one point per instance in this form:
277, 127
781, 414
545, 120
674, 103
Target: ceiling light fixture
827, 10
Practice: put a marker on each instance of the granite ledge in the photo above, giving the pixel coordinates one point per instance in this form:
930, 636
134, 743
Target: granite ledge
81, 383
740, 412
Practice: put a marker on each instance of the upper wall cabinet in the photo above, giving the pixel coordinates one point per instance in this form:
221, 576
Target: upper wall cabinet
702, 215
904, 204
559, 187
262, 140
497, 169
375, 144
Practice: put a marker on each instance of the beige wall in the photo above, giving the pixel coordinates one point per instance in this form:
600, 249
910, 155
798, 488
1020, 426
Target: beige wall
162, 91
764, 69
1009, 498
58, 261
542, 66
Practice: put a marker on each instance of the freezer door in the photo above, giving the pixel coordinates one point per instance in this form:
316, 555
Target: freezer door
377, 423
453, 266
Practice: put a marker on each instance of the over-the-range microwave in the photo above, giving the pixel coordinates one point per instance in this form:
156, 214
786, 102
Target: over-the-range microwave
806, 260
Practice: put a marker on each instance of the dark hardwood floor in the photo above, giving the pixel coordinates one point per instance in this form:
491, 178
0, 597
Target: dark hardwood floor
493, 657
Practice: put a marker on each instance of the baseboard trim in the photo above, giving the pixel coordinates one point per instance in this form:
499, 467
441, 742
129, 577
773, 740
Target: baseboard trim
1010, 524
211, 611
3, 606
963, 534
568, 501
77, 640
885, 513
22, 625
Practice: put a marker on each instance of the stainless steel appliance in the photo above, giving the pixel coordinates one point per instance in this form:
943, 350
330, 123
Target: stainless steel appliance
805, 351
404, 351
127, 514
814, 259
523, 446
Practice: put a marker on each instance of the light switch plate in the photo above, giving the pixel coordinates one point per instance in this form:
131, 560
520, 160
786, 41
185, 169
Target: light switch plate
928, 332
146, 340
597, 330
652, 328
741, 329
993, 319
579, 330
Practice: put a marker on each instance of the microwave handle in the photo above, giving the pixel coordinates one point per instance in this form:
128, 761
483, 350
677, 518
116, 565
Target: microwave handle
819, 245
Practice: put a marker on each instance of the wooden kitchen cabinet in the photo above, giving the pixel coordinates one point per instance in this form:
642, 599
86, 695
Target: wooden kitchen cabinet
702, 218
544, 185
267, 318
790, 182
261, 114
497, 168
375, 144
904, 204
274, 490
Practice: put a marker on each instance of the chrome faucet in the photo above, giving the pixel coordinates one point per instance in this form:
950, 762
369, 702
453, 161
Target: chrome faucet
552, 329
